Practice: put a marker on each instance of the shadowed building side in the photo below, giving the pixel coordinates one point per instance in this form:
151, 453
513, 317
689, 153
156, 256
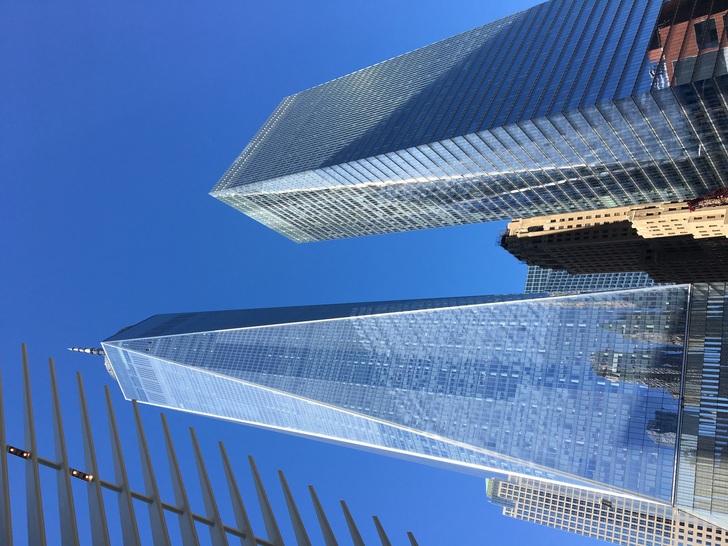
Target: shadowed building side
559, 282
670, 242
564, 107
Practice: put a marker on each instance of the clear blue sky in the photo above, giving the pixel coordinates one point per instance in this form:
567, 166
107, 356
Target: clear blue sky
117, 119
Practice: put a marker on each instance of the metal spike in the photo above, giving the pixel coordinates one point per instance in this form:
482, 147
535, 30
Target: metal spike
298, 527
129, 527
241, 515
186, 523
34, 500
217, 530
160, 534
271, 527
353, 530
97, 512
380, 531
66, 508
329, 538
6, 524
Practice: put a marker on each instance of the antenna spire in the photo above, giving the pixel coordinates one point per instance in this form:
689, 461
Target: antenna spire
88, 351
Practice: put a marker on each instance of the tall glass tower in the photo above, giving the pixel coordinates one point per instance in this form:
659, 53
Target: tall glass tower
570, 105
620, 390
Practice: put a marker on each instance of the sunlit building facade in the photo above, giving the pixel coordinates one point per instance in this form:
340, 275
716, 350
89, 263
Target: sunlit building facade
597, 514
567, 106
670, 242
540, 387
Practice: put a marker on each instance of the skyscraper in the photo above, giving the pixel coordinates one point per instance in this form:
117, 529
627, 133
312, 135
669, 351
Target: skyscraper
596, 514
567, 106
671, 242
509, 384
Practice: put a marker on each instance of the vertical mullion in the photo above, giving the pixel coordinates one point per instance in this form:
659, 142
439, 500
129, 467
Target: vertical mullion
663, 58
544, 28
532, 108
683, 45
645, 20
701, 45
604, 56
579, 86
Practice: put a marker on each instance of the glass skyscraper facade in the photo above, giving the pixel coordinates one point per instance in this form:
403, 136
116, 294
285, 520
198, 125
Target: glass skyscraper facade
586, 389
570, 105
557, 281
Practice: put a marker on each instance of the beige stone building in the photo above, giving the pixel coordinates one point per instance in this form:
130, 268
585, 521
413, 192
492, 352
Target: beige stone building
649, 221
671, 219
669, 241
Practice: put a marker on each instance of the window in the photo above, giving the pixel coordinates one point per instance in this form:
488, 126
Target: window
706, 34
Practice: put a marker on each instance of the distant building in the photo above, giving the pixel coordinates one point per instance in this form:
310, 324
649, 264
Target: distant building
617, 519
669, 242
568, 106
541, 280
507, 384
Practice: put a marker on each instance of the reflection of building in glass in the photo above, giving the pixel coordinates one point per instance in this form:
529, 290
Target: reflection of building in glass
671, 242
639, 368
640, 326
600, 515
491, 382
689, 44
560, 108
559, 282
663, 428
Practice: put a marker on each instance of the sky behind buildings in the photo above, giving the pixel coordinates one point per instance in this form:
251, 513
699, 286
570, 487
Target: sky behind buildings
117, 121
